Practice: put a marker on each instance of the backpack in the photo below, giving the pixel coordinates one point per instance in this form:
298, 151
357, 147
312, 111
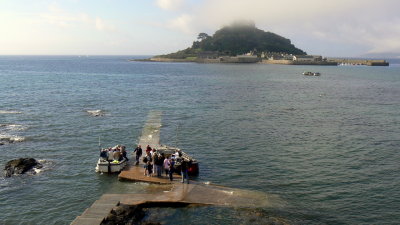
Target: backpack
177, 163
155, 158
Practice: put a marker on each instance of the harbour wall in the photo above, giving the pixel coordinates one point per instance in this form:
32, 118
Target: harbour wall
159, 59
240, 59
229, 59
292, 62
365, 62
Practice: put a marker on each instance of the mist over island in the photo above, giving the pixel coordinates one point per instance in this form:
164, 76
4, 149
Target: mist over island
239, 38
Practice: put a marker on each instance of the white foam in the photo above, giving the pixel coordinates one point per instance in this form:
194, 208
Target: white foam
228, 192
15, 127
37, 170
97, 112
9, 112
11, 138
46, 165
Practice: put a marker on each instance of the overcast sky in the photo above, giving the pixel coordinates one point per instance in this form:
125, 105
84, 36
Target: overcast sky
147, 27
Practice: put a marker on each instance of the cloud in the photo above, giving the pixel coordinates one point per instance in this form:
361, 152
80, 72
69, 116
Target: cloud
182, 23
102, 25
169, 4
59, 17
372, 25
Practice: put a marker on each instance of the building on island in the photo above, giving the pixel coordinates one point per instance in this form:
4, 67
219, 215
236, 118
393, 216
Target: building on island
216, 57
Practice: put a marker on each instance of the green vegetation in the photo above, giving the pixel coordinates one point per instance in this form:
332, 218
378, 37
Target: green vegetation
236, 39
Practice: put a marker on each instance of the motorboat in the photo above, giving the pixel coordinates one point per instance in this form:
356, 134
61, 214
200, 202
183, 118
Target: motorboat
105, 166
308, 73
108, 164
169, 151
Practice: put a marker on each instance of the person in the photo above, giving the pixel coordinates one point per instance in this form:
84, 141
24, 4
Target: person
159, 163
124, 153
184, 171
166, 164
110, 155
147, 164
104, 154
117, 154
177, 154
156, 163
148, 148
138, 151
171, 169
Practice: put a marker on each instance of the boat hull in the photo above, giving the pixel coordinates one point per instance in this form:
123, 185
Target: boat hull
104, 166
193, 169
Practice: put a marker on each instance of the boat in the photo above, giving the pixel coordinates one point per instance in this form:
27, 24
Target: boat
107, 163
105, 166
193, 169
308, 73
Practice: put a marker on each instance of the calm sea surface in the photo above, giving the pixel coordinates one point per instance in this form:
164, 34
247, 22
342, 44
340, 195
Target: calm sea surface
325, 150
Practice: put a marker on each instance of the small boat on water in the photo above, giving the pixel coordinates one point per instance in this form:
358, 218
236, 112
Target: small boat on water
111, 160
105, 166
193, 169
308, 73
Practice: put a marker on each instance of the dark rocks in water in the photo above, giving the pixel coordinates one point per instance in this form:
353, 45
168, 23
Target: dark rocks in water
124, 214
20, 166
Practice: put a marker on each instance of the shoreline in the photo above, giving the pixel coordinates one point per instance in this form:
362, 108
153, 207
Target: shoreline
329, 62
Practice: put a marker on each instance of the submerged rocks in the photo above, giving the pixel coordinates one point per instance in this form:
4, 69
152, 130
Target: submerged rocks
21, 166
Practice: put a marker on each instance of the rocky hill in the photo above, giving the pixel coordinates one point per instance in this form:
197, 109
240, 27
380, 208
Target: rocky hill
236, 39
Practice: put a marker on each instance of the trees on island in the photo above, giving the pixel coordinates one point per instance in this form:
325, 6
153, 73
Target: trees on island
236, 39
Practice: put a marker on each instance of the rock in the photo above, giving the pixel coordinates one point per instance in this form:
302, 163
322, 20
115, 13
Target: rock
20, 166
124, 214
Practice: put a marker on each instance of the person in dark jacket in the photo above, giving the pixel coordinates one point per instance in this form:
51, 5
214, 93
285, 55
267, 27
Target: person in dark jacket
138, 151
171, 169
124, 153
184, 171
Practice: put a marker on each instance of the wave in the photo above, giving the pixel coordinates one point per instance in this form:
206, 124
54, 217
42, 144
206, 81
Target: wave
11, 138
9, 112
97, 112
46, 165
14, 127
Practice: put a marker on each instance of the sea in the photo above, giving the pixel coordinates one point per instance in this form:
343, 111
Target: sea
322, 150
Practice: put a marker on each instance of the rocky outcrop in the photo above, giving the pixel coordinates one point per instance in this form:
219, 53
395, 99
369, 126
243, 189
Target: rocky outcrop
21, 166
124, 214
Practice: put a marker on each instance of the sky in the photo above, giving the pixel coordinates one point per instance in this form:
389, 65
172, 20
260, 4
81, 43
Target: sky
347, 28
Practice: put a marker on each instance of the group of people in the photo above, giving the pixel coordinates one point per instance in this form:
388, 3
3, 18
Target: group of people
157, 163
114, 154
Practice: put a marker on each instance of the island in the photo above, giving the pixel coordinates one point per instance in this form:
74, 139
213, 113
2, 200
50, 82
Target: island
243, 42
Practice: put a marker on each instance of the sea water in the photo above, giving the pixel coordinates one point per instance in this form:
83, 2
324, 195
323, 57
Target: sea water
324, 150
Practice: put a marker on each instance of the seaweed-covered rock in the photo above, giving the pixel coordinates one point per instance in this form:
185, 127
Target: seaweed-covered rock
20, 166
124, 214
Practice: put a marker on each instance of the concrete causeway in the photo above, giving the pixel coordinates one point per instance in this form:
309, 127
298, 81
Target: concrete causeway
191, 194
174, 193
